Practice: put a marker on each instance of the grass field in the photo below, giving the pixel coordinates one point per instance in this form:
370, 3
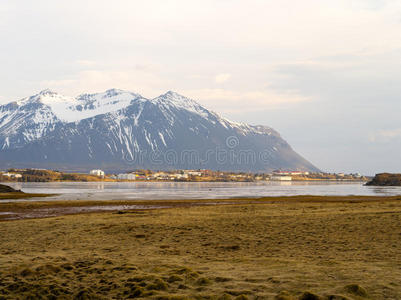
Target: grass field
276, 248
17, 195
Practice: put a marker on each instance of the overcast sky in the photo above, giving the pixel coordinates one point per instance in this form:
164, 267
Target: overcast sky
325, 74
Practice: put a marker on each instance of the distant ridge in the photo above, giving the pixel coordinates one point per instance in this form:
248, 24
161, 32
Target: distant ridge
121, 130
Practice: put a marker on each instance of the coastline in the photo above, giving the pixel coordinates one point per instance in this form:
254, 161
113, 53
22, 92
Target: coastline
161, 181
32, 209
21, 195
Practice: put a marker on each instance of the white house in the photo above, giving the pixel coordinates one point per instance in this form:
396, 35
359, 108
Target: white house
99, 173
178, 176
193, 173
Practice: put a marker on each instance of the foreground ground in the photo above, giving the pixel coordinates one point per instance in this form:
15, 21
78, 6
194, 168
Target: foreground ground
289, 248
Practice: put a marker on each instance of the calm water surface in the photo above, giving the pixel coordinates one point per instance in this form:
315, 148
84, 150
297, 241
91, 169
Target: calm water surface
193, 190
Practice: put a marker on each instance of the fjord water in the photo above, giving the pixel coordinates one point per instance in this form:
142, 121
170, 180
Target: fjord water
197, 190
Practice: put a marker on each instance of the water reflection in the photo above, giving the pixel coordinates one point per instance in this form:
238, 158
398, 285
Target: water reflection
197, 190
285, 183
100, 186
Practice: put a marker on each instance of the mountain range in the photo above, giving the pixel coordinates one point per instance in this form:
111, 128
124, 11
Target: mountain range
119, 130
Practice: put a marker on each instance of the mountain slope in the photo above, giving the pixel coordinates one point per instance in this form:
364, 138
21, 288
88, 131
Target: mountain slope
170, 131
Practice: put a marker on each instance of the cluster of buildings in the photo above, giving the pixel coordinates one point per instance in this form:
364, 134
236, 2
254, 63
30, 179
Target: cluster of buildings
189, 175
159, 175
279, 175
181, 175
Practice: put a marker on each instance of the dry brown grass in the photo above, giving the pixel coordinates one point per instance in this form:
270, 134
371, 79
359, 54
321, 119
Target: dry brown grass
288, 249
19, 195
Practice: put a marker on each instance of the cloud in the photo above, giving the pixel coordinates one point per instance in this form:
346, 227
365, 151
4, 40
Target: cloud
86, 62
370, 4
221, 78
358, 78
228, 101
386, 136
334, 83
58, 83
136, 79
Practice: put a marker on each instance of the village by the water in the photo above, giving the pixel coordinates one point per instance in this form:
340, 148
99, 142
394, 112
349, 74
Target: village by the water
201, 175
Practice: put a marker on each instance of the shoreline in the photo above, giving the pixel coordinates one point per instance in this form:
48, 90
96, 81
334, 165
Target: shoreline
31, 209
23, 196
189, 181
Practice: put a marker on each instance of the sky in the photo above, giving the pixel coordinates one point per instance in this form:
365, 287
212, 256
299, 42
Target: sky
325, 74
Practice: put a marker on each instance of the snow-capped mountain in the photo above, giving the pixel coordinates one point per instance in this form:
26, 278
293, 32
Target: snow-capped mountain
31, 118
119, 130
24, 121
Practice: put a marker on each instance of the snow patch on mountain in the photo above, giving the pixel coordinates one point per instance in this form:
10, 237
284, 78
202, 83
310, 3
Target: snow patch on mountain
173, 99
70, 109
90, 105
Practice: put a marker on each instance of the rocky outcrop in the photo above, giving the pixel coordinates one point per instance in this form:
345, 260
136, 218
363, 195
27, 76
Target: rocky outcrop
8, 189
386, 179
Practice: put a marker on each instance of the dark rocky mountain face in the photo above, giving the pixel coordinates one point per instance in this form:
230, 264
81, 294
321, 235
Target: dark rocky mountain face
168, 132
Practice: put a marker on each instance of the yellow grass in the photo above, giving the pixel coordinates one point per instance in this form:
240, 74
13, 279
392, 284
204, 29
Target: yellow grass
290, 248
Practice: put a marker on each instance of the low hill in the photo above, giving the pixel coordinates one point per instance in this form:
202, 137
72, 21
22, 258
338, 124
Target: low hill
386, 179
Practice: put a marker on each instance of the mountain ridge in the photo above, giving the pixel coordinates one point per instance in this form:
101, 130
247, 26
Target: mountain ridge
123, 130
